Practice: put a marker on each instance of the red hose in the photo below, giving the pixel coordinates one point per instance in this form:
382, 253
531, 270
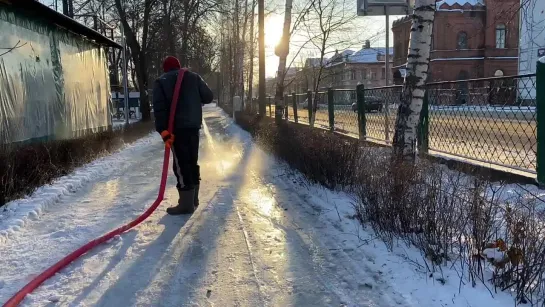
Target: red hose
37, 281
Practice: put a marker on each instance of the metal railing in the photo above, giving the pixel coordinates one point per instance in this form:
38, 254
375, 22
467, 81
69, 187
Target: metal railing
489, 120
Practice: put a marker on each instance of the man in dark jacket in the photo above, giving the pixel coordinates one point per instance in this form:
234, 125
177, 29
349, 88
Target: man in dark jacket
184, 141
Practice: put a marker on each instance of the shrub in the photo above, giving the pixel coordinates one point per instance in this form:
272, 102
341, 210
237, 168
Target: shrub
25, 167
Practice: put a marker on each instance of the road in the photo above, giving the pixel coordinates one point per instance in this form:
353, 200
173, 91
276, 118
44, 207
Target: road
502, 137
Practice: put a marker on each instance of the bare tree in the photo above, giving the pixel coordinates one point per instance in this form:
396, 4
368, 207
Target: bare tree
327, 26
417, 73
138, 49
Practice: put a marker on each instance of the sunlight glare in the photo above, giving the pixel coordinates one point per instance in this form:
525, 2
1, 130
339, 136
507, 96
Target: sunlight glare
273, 30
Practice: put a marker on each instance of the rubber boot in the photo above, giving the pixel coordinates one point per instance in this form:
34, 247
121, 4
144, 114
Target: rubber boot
196, 198
186, 203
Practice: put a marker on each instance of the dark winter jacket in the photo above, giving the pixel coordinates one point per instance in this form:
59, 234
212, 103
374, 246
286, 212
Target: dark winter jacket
194, 93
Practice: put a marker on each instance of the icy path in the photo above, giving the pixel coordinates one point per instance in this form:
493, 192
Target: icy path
259, 238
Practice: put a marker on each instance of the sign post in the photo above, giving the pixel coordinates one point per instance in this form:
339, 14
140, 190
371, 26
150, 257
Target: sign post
385, 8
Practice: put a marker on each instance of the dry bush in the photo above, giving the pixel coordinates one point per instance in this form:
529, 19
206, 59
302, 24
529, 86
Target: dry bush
321, 156
461, 221
24, 167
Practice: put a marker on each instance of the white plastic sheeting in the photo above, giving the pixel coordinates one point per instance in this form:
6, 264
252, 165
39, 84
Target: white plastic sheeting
53, 84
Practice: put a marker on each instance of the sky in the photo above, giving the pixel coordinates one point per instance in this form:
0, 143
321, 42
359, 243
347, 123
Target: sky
371, 25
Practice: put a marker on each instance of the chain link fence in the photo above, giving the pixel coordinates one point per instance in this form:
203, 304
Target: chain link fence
345, 111
489, 120
380, 112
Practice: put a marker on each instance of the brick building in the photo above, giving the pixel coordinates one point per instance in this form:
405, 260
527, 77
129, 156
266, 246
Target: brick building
471, 39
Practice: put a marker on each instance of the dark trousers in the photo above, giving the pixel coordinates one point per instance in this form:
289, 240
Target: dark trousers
186, 156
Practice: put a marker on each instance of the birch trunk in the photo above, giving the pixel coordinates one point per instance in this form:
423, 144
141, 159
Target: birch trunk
282, 52
408, 114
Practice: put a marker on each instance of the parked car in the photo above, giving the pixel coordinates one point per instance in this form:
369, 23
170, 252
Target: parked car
372, 104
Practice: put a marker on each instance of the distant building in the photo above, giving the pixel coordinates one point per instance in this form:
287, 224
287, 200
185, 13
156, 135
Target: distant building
532, 44
471, 39
55, 81
348, 68
532, 35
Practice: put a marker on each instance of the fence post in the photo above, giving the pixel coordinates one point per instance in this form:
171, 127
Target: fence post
310, 105
540, 119
424, 126
331, 109
362, 121
294, 100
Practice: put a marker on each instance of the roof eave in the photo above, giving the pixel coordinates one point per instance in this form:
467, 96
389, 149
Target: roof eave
42, 11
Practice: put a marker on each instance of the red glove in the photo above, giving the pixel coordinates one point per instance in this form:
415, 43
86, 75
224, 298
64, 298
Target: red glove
168, 138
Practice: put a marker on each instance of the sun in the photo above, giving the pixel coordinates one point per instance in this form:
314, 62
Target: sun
273, 30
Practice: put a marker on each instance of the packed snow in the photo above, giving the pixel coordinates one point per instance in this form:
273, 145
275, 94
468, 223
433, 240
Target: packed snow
262, 236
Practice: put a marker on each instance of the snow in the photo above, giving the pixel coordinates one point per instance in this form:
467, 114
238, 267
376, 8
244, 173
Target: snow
262, 236
15, 215
494, 254
368, 55
459, 2
542, 60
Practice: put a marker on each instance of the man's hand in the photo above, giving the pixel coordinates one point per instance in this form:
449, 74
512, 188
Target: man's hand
168, 138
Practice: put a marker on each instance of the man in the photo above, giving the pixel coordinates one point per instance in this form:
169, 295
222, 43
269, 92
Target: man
184, 141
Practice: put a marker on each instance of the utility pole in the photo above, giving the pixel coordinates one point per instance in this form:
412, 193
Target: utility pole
125, 74
387, 77
282, 52
252, 54
65, 7
261, 91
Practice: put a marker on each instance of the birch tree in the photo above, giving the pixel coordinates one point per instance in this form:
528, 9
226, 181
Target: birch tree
418, 59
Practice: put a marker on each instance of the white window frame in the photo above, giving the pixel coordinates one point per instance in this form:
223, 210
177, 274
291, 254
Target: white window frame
501, 36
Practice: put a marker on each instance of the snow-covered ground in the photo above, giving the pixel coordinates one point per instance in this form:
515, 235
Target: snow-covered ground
119, 123
261, 237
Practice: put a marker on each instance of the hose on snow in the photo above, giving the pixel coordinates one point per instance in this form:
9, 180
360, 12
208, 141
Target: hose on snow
38, 280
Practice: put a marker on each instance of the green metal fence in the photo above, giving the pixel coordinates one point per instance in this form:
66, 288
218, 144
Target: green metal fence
490, 121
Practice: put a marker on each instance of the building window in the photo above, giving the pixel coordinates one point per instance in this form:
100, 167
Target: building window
352, 75
364, 74
373, 75
383, 76
500, 36
462, 41
498, 73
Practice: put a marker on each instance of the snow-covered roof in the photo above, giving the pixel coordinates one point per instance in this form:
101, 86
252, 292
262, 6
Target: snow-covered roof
369, 55
365, 55
461, 3
339, 57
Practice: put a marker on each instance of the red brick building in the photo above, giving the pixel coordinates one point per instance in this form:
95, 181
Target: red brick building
471, 39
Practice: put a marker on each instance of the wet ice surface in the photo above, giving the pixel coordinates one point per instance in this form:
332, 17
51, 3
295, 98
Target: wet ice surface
259, 238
